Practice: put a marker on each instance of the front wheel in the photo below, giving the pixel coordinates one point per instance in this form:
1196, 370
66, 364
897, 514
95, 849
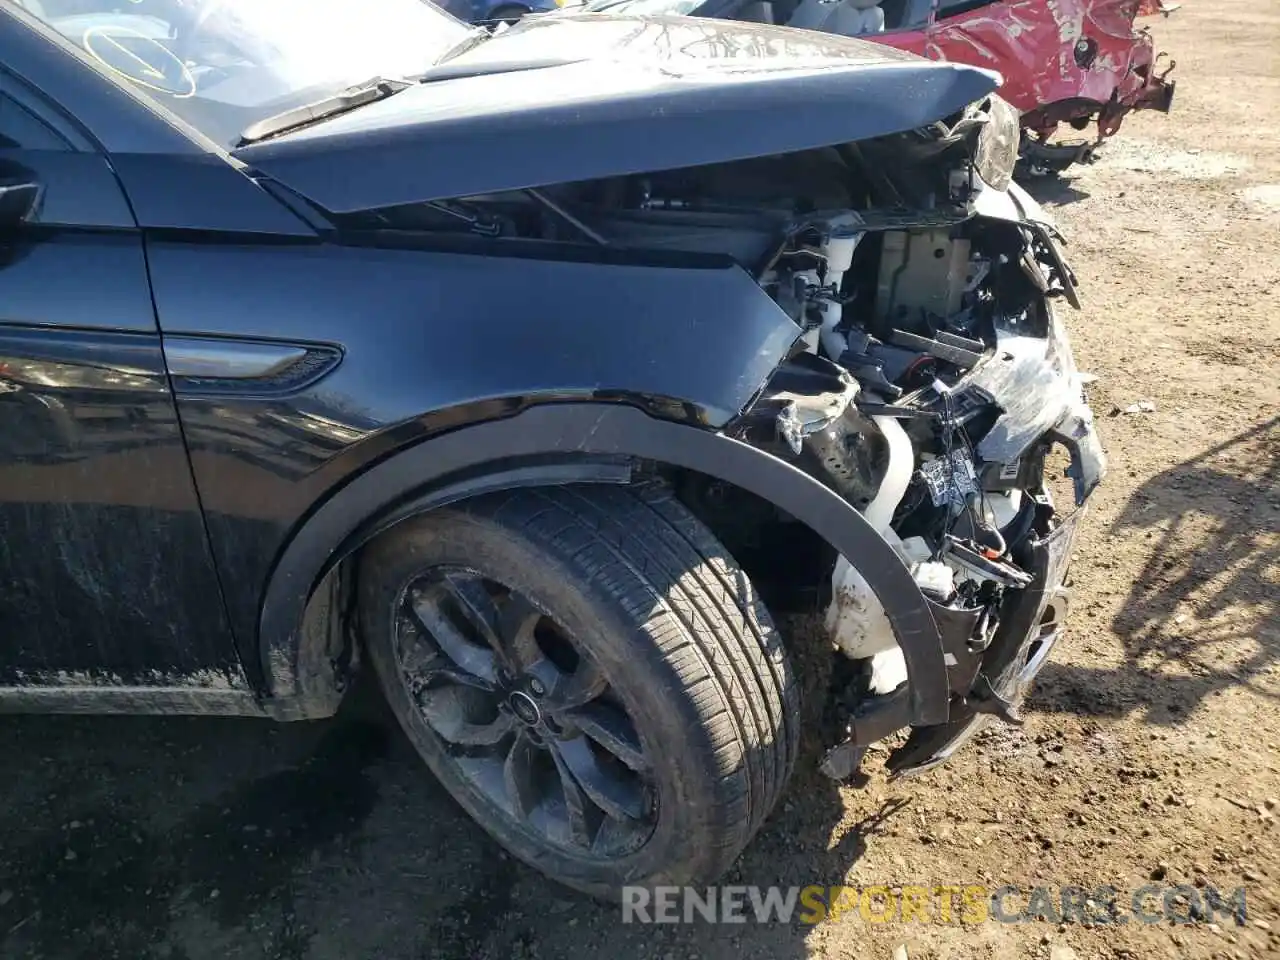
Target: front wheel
590, 675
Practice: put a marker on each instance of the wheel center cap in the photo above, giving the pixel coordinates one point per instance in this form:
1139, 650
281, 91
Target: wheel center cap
524, 707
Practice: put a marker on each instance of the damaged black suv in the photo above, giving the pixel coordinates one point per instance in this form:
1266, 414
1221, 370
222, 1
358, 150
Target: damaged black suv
534, 370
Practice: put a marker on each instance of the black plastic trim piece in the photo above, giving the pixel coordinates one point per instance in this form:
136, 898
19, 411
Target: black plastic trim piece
216, 365
481, 453
161, 701
228, 359
195, 701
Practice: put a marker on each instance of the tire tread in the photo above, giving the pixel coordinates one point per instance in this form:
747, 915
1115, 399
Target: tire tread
643, 555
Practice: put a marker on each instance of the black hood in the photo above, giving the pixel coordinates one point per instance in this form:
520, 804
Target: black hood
569, 98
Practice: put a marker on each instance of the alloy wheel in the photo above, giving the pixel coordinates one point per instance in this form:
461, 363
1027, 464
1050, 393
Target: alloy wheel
525, 714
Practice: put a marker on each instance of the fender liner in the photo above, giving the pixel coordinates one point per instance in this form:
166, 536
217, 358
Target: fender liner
428, 473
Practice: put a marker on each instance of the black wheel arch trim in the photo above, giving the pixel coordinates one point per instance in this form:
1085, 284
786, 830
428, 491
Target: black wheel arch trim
576, 442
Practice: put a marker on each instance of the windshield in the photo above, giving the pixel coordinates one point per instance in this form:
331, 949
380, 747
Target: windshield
638, 8
222, 65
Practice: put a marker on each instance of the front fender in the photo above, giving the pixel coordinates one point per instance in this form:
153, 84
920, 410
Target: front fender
428, 340
575, 430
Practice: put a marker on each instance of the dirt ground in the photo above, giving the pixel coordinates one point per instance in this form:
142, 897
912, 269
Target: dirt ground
1150, 749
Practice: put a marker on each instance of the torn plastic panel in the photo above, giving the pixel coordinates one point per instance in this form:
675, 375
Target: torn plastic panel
1031, 628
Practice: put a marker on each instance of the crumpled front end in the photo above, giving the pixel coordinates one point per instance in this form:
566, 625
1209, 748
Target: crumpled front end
937, 384
927, 383
1109, 69
1078, 62
932, 384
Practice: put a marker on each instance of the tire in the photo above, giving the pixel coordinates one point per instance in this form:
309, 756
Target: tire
653, 606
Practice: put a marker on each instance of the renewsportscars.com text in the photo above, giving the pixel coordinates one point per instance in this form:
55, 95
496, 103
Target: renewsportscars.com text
936, 903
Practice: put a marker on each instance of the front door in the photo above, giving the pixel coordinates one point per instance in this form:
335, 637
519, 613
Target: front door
106, 576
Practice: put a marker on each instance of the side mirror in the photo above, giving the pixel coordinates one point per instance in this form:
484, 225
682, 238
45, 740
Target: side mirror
19, 200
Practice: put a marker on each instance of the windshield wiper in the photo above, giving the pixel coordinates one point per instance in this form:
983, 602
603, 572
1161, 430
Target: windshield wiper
475, 36
371, 91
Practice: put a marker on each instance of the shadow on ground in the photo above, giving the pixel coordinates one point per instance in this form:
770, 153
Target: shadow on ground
114, 824
1053, 190
1203, 613
188, 838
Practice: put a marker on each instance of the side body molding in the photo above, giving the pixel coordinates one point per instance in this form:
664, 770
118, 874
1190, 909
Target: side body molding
437, 471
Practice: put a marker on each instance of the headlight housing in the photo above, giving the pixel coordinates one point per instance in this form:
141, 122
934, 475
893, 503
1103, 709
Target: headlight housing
997, 150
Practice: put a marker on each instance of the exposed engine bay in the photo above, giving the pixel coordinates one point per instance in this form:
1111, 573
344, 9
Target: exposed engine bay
929, 380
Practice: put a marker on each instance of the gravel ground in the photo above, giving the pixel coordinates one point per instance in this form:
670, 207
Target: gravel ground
1150, 749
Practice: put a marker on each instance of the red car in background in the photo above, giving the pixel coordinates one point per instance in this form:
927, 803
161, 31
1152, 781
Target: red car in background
1084, 63
1079, 62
